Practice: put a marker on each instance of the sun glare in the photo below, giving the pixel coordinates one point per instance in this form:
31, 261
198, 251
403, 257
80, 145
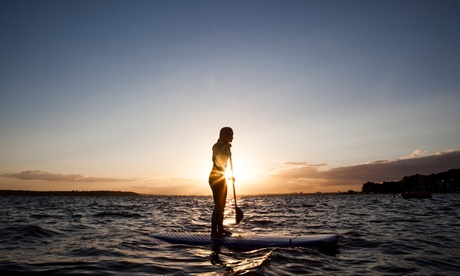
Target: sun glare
241, 172
228, 173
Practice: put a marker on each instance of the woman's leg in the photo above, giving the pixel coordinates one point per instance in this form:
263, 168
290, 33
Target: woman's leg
219, 192
221, 209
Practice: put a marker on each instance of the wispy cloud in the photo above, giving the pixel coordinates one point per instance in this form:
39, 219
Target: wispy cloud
47, 176
291, 163
416, 153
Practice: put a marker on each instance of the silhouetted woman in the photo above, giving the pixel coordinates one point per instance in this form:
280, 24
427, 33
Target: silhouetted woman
217, 180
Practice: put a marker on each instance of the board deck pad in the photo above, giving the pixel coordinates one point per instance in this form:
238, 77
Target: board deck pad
250, 242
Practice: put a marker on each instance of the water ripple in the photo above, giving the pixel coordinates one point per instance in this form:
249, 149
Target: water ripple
379, 234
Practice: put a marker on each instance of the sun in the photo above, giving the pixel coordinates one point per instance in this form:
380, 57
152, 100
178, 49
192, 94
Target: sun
241, 171
229, 173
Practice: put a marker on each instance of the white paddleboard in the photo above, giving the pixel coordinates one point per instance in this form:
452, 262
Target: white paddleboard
249, 242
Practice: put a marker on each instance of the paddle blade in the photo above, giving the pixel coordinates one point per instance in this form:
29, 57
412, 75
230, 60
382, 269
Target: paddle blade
239, 215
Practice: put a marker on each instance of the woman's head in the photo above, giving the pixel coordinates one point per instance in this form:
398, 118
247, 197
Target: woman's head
226, 135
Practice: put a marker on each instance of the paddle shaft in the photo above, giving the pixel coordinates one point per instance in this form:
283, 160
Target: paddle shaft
233, 181
238, 213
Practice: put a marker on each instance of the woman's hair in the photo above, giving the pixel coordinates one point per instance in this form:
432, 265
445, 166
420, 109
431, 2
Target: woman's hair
225, 134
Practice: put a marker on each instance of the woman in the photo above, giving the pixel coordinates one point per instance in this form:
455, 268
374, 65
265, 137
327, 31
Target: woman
217, 180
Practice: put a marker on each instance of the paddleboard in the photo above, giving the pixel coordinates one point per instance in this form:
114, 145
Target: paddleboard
249, 242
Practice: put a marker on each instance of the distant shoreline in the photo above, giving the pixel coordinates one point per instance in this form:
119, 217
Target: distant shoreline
121, 194
65, 193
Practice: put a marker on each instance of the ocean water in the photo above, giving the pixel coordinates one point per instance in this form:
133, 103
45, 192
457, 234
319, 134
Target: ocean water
379, 235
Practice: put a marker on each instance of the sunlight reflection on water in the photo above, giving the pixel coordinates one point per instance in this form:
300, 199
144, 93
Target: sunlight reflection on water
93, 235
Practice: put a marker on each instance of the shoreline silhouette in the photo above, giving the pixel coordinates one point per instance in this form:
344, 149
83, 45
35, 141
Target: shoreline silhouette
444, 182
65, 193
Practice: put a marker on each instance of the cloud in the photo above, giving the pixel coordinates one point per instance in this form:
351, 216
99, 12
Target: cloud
305, 164
418, 162
391, 170
47, 176
416, 153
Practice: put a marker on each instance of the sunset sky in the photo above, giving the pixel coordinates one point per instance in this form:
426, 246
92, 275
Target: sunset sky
131, 95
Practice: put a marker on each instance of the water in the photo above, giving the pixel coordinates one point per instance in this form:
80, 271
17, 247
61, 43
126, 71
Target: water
379, 235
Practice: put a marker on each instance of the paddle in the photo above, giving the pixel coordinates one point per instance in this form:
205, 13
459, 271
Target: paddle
239, 213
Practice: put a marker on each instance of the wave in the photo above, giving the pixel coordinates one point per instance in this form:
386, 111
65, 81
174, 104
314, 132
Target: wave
118, 214
27, 232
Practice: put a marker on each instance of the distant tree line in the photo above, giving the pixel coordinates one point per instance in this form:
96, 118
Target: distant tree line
65, 193
445, 182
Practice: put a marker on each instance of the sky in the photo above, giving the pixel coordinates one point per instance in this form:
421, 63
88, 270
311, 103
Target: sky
322, 96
